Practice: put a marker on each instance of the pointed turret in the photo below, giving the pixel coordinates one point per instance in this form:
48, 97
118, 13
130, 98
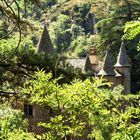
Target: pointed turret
45, 43
122, 60
87, 67
123, 67
107, 67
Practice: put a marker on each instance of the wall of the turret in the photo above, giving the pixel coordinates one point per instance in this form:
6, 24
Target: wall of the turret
126, 78
110, 79
114, 80
119, 81
123, 80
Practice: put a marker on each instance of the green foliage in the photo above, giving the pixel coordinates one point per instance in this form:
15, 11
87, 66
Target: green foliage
132, 30
69, 37
11, 119
12, 125
83, 110
81, 44
130, 126
60, 31
7, 46
20, 135
80, 13
63, 31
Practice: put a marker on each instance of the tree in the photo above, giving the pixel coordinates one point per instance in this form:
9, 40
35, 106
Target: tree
132, 35
69, 37
132, 30
84, 110
112, 25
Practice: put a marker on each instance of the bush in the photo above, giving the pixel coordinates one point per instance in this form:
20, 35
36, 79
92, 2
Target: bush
83, 109
12, 124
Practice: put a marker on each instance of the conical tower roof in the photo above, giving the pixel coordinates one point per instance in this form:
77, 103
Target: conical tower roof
107, 67
122, 60
87, 66
45, 43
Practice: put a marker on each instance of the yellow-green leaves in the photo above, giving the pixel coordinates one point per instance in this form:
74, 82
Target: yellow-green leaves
84, 109
132, 30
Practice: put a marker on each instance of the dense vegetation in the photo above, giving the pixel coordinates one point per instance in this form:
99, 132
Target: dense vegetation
84, 110
79, 105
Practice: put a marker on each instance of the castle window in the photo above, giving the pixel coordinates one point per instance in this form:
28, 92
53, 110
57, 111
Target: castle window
28, 109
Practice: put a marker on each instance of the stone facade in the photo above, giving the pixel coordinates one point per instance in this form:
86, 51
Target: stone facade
40, 114
120, 74
34, 115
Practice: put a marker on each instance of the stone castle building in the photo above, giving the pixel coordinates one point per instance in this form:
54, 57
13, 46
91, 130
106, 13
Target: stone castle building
117, 74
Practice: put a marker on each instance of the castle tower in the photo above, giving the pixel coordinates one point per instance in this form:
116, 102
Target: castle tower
123, 67
92, 62
107, 70
45, 43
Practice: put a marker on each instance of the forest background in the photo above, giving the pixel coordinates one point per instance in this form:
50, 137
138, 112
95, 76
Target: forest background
74, 26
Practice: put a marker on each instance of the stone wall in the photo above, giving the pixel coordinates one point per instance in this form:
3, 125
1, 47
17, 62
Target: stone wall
39, 114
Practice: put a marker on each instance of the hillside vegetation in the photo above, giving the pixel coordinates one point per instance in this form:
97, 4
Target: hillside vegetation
82, 108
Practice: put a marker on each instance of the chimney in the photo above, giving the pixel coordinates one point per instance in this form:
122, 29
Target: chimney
93, 57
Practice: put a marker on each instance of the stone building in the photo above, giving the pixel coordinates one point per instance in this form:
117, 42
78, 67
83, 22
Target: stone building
91, 65
119, 74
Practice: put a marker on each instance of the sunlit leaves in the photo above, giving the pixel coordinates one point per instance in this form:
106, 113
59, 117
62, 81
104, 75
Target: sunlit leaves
7, 46
12, 125
132, 30
83, 105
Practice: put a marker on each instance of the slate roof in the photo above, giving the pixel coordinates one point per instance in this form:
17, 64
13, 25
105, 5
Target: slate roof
87, 66
45, 43
107, 67
122, 60
77, 62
